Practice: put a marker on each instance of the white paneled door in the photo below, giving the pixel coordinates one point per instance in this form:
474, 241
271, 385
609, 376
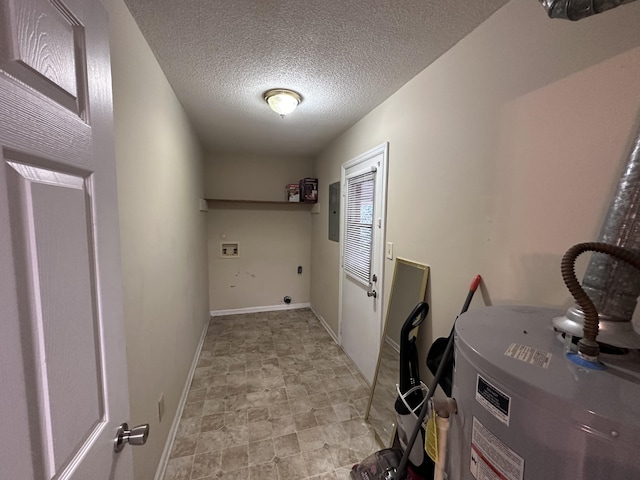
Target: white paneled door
363, 231
63, 385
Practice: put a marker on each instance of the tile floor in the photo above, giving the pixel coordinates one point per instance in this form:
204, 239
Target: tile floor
273, 398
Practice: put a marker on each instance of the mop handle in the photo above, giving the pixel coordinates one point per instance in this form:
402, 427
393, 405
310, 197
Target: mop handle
472, 289
434, 383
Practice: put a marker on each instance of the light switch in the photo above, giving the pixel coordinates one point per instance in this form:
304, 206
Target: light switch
389, 251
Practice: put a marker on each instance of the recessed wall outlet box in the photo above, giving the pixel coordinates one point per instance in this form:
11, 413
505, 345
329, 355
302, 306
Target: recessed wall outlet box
203, 205
389, 251
229, 250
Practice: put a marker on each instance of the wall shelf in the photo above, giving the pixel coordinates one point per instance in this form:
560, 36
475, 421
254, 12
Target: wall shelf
257, 202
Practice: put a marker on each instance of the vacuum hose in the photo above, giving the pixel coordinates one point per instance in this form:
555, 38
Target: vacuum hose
587, 346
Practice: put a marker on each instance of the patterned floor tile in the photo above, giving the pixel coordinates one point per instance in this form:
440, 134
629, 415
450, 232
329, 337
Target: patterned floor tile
273, 398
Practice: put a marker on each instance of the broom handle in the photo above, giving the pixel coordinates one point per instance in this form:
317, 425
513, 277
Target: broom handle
472, 289
434, 383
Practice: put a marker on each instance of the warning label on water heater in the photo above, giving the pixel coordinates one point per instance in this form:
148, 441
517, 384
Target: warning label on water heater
491, 459
495, 401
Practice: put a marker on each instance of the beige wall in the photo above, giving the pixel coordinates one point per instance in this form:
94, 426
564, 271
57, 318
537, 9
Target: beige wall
162, 231
274, 239
502, 155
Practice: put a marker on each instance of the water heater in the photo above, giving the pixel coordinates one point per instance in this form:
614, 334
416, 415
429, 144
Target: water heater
527, 412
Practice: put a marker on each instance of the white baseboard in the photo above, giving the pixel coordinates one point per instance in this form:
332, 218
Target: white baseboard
267, 308
164, 459
324, 324
392, 344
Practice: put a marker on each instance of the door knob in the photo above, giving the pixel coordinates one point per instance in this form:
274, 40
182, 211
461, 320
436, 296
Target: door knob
136, 436
372, 293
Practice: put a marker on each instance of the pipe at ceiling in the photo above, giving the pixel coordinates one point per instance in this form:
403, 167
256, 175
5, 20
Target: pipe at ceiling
578, 9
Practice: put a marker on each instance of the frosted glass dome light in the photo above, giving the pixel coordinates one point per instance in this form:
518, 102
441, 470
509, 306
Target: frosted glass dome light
282, 101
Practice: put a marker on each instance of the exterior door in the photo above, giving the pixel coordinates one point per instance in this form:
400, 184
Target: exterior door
364, 185
63, 385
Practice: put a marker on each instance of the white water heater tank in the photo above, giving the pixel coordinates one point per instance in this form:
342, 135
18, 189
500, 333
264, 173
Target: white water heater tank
528, 412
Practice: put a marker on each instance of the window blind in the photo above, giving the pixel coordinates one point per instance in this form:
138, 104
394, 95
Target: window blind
359, 226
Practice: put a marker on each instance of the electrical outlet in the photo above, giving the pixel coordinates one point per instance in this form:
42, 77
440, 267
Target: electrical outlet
161, 408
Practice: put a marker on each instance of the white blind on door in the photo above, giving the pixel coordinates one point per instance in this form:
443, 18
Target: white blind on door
359, 226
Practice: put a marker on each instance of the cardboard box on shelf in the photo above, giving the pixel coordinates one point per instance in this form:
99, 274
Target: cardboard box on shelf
293, 192
309, 190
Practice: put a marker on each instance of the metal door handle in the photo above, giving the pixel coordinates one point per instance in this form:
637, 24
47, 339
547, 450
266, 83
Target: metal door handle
136, 436
372, 293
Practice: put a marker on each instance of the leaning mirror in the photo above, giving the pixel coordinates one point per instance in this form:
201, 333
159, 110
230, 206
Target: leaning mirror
407, 289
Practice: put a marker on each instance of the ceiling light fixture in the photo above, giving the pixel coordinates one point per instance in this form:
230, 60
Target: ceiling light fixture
282, 101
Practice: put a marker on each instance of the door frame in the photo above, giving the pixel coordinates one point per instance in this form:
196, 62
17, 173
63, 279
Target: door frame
378, 252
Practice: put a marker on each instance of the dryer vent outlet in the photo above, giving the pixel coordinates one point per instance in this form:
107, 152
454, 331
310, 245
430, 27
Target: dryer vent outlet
287, 300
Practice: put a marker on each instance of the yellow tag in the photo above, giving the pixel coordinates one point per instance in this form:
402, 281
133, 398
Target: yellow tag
431, 437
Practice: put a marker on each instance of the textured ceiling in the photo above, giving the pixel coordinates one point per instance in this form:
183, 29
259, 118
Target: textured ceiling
344, 57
